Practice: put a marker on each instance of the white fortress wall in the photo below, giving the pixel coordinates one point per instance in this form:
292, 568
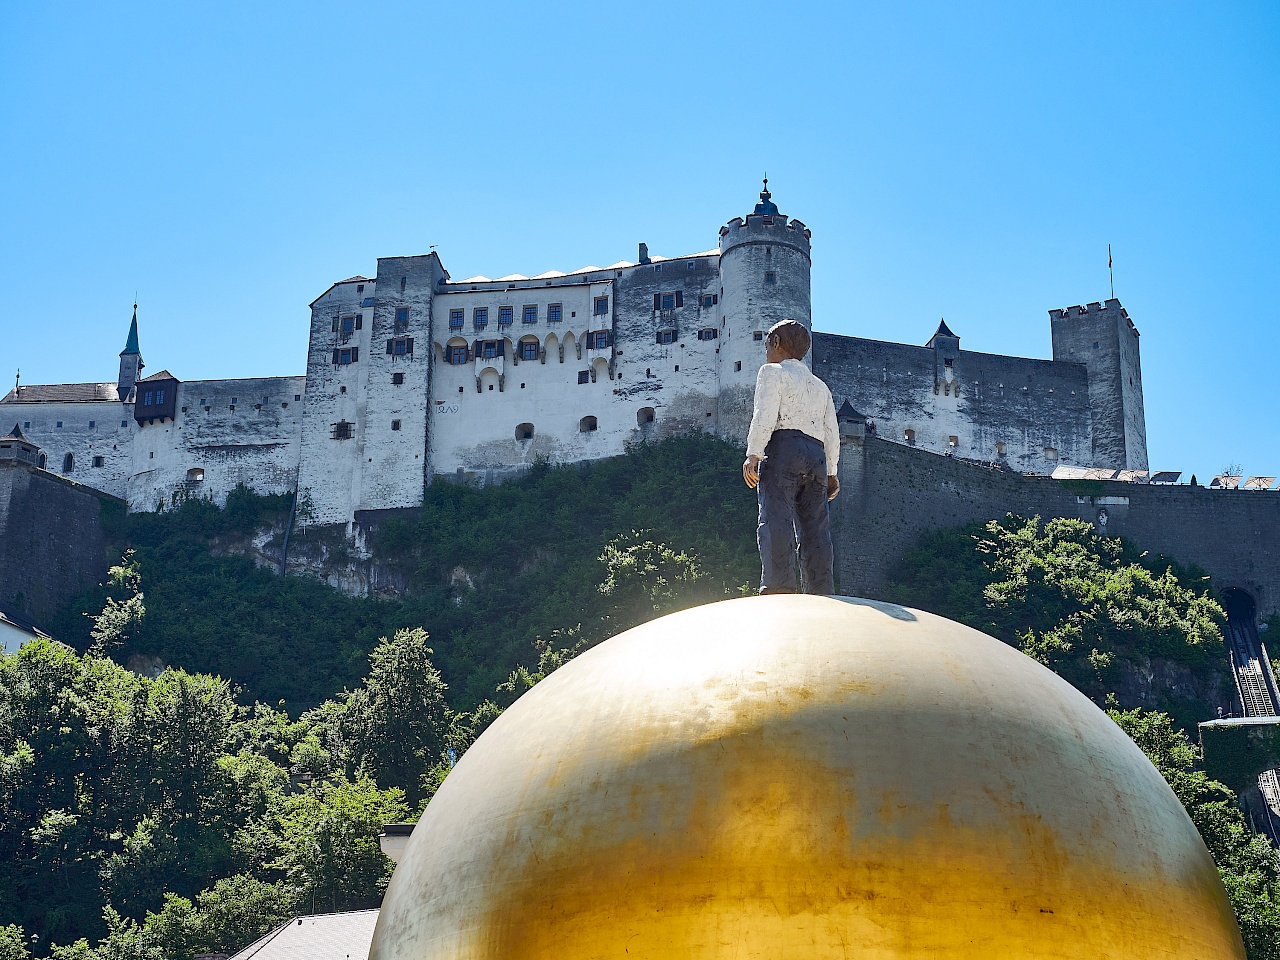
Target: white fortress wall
224, 433
85, 430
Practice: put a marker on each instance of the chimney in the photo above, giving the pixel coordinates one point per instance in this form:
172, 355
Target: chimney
644, 253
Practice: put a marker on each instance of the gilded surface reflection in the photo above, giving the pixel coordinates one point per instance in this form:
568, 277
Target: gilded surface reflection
804, 777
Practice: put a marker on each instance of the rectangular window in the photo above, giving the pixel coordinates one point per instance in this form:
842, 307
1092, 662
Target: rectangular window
597, 339
529, 351
948, 362
692, 264
757, 335
666, 336
530, 314
584, 376
348, 325
97, 461
489, 349
706, 300
26, 425
401, 346
456, 355
455, 319
359, 288
340, 358
402, 319
397, 379
296, 396
554, 312
708, 333
395, 424
506, 315
93, 424
480, 317
335, 324
602, 306
737, 366
342, 430
770, 277
159, 396
147, 399
668, 301
367, 302
266, 399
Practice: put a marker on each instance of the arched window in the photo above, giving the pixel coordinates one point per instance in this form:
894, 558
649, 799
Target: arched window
68, 463
644, 416
529, 348
41, 462
587, 425
524, 431
195, 475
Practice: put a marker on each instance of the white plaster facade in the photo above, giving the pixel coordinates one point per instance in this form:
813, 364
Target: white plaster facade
413, 377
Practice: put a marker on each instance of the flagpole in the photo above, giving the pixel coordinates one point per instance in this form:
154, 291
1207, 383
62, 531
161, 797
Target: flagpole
1111, 271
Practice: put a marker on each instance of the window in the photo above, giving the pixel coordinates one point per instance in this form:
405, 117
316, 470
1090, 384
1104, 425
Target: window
195, 475
1000, 448
530, 313
1095, 344
349, 324
909, 435
668, 301
159, 396
770, 277
68, 463
59, 424
41, 461
123, 423
395, 424
505, 315
692, 264
585, 425
529, 350
92, 424
235, 399
554, 312
666, 336
602, 306
953, 442
400, 346
455, 355
757, 335
948, 362
584, 376
147, 401
597, 339
480, 317
403, 281
710, 299
342, 430
402, 319
455, 319
644, 416
340, 359
524, 431
266, 399
708, 333
359, 288
98, 461
367, 302
397, 379
26, 425
490, 349
1050, 453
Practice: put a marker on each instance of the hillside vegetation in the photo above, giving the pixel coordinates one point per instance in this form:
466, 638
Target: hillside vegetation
162, 818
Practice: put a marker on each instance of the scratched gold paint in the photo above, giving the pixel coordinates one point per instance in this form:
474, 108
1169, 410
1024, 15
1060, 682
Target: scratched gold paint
804, 777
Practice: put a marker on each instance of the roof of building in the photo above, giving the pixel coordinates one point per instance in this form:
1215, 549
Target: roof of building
14, 434
847, 413
62, 393
162, 375
325, 936
131, 345
13, 617
942, 331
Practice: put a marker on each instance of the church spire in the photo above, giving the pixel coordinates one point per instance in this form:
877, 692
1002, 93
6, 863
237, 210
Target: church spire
131, 345
766, 206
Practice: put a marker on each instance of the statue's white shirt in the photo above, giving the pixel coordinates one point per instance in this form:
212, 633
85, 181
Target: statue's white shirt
789, 397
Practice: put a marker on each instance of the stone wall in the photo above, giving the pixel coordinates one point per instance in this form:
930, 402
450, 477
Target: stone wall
52, 539
86, 430
892, 493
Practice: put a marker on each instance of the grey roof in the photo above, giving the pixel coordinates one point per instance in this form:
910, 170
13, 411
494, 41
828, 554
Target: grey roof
14, 434
162, 375
62, 393
16, 618
847, 413
942, 331
324, 936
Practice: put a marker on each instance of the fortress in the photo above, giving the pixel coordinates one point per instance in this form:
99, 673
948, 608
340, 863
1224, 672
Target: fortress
413, 376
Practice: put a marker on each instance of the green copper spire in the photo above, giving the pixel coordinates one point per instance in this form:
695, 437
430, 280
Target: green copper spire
131, 346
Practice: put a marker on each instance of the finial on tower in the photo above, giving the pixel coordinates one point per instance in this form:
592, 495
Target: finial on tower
766, 206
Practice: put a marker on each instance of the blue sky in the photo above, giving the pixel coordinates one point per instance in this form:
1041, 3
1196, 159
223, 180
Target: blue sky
969, 160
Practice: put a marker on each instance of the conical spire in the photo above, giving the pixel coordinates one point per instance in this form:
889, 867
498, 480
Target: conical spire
131, 345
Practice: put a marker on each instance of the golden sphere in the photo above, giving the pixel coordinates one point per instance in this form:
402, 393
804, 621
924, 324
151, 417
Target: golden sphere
804, 777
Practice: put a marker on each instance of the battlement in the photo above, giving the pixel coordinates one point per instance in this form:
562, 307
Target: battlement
776, 228
1088, 308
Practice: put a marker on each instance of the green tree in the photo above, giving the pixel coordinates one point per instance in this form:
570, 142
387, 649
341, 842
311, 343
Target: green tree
396, 721
330, 850
124, 610
13, 943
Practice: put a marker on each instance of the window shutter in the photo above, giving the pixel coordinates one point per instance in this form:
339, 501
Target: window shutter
679, 298
408, 345
355, 354
659, 339
390, 344
502, 348
657, 302
335, 357
335, 324
715, 298
359, 320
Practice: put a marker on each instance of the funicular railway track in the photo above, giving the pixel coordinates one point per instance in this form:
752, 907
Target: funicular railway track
1255, 682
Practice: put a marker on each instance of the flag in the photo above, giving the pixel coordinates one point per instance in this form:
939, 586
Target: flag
1108, 256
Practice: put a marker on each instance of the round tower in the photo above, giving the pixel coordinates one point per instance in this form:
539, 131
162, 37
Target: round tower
764, 277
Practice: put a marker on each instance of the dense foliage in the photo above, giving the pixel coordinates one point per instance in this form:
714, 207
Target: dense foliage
490, 571
1092, 608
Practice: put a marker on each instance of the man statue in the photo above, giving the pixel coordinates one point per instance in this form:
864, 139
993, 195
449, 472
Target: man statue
793, 448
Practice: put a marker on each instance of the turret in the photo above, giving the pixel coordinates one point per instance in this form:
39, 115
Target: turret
764, 272
130, 361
